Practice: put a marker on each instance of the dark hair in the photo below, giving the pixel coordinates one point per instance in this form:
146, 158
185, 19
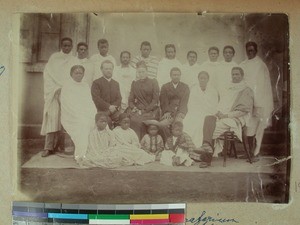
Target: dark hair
102, 41
251, 43
192, 52
177, 124
230, 47
66, 39
122, 116
203, 72
175, 69
106, 62
100, 114
146, 43
124, 53
238, 68
141, 64
170, 46
214, 48
82, 44
76, 67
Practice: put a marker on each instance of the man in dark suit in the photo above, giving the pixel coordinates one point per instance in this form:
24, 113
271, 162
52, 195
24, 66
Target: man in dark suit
174, 97
106, 93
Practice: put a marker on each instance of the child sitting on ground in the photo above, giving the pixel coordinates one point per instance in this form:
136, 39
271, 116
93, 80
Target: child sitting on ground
152, 142
178, 147
128, 143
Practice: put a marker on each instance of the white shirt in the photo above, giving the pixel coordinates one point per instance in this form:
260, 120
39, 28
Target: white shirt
224, 77
212, 69
97, 60
164, 68
190, 74
175, 85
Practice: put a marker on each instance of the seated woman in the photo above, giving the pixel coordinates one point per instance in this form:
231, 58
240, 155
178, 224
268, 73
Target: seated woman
127, 143
203, 101
143, 100
77, 111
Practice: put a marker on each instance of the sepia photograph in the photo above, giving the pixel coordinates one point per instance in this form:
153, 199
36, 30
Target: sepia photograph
153, 107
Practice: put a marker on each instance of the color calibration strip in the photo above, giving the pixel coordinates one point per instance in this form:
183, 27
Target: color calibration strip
98, 214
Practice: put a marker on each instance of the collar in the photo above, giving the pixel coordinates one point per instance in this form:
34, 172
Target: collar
174, 85
107, 79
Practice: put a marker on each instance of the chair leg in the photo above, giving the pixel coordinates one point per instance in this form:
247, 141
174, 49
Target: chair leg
225, 151
245, 149
234, 149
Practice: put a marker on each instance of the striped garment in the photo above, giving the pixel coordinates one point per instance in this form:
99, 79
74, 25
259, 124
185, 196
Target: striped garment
151, 62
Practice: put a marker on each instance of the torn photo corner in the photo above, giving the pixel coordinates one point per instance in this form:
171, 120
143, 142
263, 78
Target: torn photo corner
152, 107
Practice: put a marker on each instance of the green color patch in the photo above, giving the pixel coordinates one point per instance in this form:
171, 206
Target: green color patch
113, 217
92, 216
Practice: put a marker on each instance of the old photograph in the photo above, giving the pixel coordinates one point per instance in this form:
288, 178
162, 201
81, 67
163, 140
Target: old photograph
153, 107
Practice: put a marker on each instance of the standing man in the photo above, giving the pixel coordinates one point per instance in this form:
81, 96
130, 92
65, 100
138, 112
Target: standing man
212, 66
166, 64
174, 98
257, 77
56, 72
125, 74
106, 93
151, 61
224, 73
103, 55
191, 69
82, 59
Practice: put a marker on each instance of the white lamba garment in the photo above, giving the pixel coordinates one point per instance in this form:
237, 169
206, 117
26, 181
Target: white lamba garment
164, 68
125, 76
212, 69
56, 72
257, 77
224, 77
225, 106
201, 104
190, 73
97, 60
77, 114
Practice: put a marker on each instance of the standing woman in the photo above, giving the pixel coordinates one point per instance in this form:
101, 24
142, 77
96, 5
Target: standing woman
143, 100
77, 111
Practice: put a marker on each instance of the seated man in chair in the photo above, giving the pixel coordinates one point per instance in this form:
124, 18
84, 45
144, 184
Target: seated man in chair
233, 110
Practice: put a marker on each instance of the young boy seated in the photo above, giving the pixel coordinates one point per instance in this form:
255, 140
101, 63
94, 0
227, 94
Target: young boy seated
152, 142
178, 147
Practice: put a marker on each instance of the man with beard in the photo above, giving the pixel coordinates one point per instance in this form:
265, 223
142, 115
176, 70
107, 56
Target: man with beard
106, 94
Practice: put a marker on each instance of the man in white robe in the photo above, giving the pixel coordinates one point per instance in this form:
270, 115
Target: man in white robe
102, 56
82, 59
212, 66
224, 71
125, 74
151, 61
77, 111
56, 72
257, 77
203, 101
191, 69
166, 64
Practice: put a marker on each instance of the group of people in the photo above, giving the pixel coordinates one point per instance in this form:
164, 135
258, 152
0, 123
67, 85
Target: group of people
146, 110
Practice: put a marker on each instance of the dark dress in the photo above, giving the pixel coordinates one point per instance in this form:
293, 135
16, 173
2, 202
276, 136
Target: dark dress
144, 95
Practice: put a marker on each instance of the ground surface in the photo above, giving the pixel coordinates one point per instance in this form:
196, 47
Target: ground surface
106, 186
